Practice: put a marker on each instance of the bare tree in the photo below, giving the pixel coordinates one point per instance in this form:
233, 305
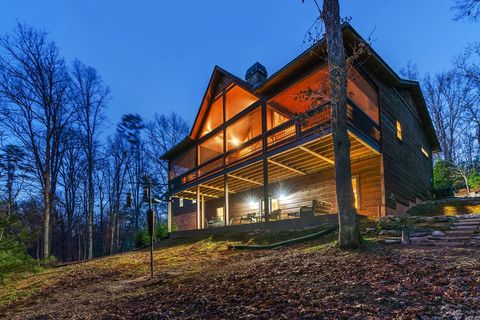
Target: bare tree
89, 96
467, 10
163, 133
33, 84
71, 173
349, 232
410, 71
448, 95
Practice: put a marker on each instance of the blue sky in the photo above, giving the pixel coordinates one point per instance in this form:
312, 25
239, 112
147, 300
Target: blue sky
157, 56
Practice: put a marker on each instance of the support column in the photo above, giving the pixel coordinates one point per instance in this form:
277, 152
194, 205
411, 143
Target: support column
226, 213
266, 199
199, 211
169, 214
202, 213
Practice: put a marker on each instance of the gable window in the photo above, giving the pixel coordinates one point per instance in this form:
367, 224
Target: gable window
399, 130
425, 152
214, 117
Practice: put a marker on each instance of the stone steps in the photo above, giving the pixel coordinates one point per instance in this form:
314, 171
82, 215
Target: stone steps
465, 232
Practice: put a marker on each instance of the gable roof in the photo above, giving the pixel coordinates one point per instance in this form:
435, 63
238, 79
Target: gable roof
374, 62
301, 64
220, 79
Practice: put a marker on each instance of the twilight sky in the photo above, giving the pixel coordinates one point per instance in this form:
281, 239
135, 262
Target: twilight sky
157, 56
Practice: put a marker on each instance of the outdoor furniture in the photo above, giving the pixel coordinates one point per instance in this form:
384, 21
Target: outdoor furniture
318, 207
249, 217
275, 214
215, 222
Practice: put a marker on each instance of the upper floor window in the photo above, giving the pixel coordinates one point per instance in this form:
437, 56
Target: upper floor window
425, 152
214, 117
236, 100
398, 126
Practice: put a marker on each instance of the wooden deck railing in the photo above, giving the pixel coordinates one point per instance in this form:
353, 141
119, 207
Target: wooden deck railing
316, 121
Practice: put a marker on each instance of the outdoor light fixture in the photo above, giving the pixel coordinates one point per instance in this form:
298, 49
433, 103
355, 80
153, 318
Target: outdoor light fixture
282, 196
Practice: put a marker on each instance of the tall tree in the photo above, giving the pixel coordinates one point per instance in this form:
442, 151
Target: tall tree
130, 128
163, 133
16, 169
329, 13
448, 96
33, 84
89, 96
349, 232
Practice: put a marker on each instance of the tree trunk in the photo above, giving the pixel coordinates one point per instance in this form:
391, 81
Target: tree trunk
349, 234
46, 226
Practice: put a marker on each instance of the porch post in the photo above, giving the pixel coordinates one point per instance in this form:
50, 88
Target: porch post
169, 214
226, 212
266, 200
202, 213
199, 213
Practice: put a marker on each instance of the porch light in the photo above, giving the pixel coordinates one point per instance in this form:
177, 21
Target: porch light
282, 196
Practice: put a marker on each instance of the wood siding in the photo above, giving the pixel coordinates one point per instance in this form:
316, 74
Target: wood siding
319, 186
408, 173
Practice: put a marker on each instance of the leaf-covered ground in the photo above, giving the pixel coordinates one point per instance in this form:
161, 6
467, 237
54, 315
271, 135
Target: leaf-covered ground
205, 280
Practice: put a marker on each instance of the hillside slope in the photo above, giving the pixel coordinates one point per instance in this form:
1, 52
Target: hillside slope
203, 279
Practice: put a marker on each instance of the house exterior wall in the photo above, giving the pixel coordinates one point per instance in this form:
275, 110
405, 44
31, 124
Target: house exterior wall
408, 173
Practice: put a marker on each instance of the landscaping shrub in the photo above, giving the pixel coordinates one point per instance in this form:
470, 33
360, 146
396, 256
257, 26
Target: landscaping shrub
13, 248
143, 239
474, 182
443, 182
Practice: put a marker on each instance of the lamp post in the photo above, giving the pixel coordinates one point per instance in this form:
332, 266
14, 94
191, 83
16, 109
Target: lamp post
147, 197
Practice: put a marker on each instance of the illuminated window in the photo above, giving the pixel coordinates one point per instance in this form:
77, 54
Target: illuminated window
214, 118
274, 204
356, 192
210, 148
236, 100
219, 213
274, 118
399, 130
425, 152
244, 129
180, 202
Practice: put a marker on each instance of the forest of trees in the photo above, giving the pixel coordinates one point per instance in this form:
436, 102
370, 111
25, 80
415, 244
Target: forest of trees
64, 171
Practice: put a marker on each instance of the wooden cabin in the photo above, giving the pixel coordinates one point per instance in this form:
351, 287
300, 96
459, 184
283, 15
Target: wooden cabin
261, 148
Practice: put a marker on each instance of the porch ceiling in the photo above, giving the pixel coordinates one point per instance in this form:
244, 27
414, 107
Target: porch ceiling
306, 159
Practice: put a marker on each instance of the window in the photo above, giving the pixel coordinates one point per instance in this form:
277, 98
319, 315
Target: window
183, 163
274, 204
180, 202
274, 118
210, 148
236, 100
425, 152
219, 216
214, 118
244, 129
399, 130
356, 191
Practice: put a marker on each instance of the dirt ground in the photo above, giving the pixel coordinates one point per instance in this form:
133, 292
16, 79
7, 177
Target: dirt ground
205, 280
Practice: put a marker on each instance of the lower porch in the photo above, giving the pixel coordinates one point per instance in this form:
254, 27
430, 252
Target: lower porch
295, 184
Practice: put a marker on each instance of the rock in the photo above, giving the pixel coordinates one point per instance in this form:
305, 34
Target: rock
441, 218
438, 233
390, 233
392, 241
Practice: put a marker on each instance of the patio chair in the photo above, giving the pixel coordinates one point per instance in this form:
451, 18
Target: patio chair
275, 214
249, 217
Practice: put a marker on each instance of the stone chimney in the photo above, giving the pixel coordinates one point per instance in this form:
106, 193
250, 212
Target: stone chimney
256, 74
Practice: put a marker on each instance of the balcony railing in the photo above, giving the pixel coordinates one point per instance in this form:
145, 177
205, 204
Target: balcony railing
316, 121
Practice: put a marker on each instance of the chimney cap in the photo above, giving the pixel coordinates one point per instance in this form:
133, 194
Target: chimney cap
256, 68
